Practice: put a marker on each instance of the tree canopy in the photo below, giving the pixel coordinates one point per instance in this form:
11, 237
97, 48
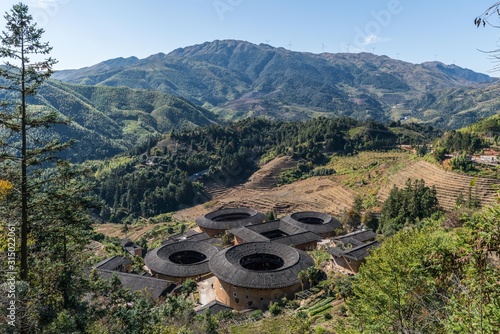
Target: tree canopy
407, 206
431, 280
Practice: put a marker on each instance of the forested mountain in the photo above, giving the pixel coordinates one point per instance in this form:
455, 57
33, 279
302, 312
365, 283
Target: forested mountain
108, 120
454, 108
238, 79
488, 127
160, 177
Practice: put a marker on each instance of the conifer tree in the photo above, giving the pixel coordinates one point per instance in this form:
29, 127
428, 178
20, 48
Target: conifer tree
23, 72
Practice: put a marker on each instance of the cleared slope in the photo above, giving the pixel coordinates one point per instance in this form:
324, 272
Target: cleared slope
267, 176
334, 194
314, 194
448, 184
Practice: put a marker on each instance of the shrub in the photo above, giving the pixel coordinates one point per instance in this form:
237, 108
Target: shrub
275, 309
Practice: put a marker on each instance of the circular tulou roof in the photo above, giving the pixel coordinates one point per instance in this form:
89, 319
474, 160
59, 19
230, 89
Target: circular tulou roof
181, 259
316, 222
225, 219
231, 265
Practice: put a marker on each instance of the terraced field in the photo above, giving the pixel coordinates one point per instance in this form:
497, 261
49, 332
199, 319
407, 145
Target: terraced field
448, 184
323, 194
365, 174
267, 177
115, 230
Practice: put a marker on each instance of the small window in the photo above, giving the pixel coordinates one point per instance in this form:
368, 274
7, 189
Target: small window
237, 300
234, 294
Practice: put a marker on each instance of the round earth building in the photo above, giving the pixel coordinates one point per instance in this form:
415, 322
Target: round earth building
217, 222
179, 261
256, 274
320, 223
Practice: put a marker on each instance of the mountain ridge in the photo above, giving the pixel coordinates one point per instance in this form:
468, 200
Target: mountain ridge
237, 79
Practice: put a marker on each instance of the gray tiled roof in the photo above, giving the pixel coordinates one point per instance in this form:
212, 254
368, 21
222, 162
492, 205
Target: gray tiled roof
226, 265
206, 238
248, 235
113, 263
213, 307
316, 222
158, 259
126, 243
336, 251
298, 239
275, 225
293, 235
348, 241
356, 253
225, 219
360, 252
355, 238
198, 237
153, 286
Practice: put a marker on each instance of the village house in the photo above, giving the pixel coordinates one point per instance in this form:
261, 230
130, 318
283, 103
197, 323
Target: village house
131, 247
351, 250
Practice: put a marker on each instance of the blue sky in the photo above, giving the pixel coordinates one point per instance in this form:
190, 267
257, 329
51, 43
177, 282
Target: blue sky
85, 32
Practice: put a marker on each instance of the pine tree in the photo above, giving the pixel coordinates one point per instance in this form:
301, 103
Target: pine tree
407, 206
21, 75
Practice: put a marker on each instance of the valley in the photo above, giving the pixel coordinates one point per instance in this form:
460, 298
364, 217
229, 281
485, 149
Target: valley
370, 175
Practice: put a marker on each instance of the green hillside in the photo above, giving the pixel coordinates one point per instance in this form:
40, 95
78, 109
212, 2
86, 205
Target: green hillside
109, 120
455, 107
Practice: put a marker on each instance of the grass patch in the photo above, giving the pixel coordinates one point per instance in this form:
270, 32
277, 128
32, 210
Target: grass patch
277, 325
320, 303
369, 170
320, 256
320, 310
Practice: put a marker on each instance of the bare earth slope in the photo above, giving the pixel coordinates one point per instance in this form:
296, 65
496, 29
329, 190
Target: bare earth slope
331, 194
314, 194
